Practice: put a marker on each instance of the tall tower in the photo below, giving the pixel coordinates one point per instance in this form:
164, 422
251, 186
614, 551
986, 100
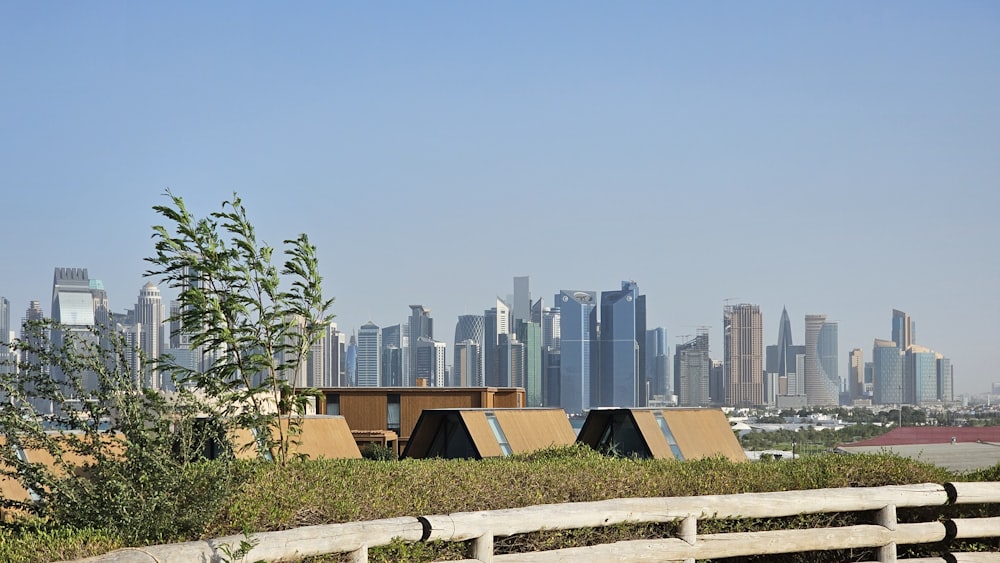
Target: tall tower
658, 362
5, 337
578, 349
822, 379
420, 326
368, 355
522, 299
469, 328
902, 329
856, 373
744, 361
692, 367
73, 310
620, 381
887, 373
496, 321
149, 315
430, 361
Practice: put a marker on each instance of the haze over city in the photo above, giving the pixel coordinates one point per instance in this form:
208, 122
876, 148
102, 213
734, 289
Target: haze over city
837, 159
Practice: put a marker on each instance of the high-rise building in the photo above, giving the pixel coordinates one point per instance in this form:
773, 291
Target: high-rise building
149, 314
549, 319
744, 360
920, 375
351, 361
468, 328
6, 336
902, 329
782, 361
395, 351
578, 348
856, 373
510, 361
467, 369
73, 311
521, 309
692, 369
657, 363
946, 379
887, 373
822, 379
430, 361
529, 334
369, 355
621, 382
420, 325
496, 321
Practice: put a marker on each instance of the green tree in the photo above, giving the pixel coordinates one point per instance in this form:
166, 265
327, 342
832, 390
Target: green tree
255, 334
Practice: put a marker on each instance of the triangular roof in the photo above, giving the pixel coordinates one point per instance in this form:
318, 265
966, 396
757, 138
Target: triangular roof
479, 433
675, 433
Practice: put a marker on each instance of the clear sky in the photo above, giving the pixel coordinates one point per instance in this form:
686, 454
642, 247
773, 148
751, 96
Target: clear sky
838, 157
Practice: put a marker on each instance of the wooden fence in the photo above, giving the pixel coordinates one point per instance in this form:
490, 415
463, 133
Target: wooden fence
480, 528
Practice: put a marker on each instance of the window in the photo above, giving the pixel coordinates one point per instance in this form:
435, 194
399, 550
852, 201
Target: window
668, 435
392, 412
333, 403
491, 419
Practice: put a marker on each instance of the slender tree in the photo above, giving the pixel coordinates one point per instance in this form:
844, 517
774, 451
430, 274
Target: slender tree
252, 336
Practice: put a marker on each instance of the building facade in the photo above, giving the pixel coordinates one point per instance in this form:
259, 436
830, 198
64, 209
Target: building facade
822, 380
578, 328
743, 355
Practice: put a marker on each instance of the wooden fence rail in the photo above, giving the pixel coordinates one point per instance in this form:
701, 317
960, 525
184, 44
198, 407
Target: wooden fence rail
480, 528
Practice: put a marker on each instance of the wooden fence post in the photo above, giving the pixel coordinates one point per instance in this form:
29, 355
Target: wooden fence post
482, 548
689, 532
887, 519
360, 555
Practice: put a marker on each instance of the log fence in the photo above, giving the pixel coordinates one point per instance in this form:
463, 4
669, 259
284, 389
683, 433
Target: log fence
480, 528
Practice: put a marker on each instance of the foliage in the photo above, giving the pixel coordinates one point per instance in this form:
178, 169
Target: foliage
256, 335
123, 457
379, 452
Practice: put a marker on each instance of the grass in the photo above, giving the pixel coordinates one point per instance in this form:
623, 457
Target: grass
331, 491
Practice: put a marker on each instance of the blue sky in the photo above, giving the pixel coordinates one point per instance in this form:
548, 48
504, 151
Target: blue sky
839, 158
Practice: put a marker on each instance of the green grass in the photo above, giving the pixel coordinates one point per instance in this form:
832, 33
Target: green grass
331, 491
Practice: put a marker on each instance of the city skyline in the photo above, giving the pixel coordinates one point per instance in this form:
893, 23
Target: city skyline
681, 146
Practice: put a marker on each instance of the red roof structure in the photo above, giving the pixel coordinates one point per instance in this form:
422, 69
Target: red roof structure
914, 435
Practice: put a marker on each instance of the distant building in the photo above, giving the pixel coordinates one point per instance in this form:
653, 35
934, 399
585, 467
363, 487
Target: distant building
469, 328
692, 369
856, 373
887, 373
578, 348
903, 329
621, 382
369, 352
496, 321
73, 311
822, 378
430, 358
658, 363
521, 309
420, 325
466, 370
743, 360
149, 314
529, 333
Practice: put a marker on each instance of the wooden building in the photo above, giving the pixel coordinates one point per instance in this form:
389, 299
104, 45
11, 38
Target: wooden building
479, 433
398, 408
668, 433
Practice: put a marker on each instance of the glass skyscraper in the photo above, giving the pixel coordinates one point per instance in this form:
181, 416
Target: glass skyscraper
822, 379
620, 381
578, 325
368, 355
887, 373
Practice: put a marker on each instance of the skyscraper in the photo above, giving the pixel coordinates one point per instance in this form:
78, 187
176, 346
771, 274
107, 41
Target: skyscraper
902, 329
658, 362
430, 361
467, 369
521, 309
369, 355
529, 334
496, 321
149, 315
822, 379
73, 311
6, 359
620, 381
920, 375
856, 373
782, 361
743, 360
692, 369
468, 328
394, 356
420, 326
887, 373
578, 325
